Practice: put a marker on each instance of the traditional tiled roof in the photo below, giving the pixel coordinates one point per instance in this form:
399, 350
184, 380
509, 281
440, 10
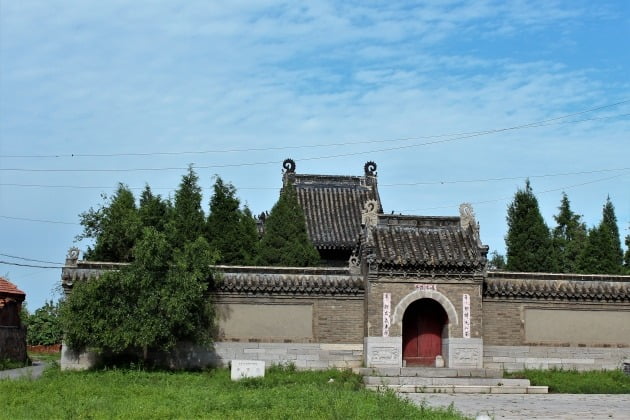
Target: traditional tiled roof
246, 279
557, 287
9, 289
288, 281
332, 204
424, 242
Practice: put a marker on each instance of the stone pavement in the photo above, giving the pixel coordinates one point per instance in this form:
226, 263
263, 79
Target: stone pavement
33, 372
542, 406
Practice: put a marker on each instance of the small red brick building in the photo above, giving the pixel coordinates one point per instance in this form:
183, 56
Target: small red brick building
12, 332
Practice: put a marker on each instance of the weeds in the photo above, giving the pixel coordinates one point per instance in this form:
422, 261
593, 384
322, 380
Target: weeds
573, 382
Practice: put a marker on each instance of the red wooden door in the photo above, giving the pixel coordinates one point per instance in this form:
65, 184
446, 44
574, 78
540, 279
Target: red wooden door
422, 332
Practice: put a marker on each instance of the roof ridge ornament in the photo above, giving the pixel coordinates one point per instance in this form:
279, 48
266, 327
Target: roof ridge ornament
467, 216
369, 215
289, 166
370, 168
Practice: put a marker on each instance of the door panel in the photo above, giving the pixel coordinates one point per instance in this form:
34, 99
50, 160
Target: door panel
422, 332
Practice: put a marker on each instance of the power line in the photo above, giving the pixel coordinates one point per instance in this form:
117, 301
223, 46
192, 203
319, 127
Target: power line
38, 220
30, 259
405, 211
434, 182
238, 150
275, 162
28, 265
509, 198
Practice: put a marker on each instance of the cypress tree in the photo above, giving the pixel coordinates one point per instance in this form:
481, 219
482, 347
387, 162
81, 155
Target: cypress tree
115, 227
153, 210
249, 236
228, 228
569, 238
188, 221
603, 254
627, 255
285, 241
528, 241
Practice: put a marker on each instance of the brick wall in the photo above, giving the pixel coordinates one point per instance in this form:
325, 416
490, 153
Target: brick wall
335, 319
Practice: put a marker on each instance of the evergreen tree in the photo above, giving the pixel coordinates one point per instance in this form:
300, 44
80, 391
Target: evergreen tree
153, 210
188, 221
157, 300
528, 241
496, 261
569, 238
285, 241
249, 236
115, 227
229, 230
627, 255
603, 254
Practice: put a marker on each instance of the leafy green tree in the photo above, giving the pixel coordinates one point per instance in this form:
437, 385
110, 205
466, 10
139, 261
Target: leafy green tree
230, 228
159, 299
569, 238
528, 242
496, 261
285, 241
114, 226
188, 221
153, 210
603, 253
44, 326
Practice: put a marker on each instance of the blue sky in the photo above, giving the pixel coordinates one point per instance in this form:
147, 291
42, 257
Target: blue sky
379, 81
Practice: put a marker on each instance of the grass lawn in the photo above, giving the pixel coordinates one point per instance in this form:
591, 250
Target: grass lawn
574, 382
283, 393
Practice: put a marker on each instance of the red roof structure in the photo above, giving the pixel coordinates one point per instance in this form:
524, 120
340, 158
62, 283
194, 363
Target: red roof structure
8, 288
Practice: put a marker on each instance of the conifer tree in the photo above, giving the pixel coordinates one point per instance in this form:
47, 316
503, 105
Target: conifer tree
188, 221
153, 210
627, 255
603, 254
228, 228
528, 241
569, 238
249, 236
114, 226
285, 241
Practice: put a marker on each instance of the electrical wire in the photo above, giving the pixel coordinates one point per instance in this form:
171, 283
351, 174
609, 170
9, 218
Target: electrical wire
275, 162
29, 265
401, 184
541, 123
29, 259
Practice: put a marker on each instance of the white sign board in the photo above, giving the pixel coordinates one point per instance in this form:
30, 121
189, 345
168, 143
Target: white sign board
247, 369
466, 314
387, 310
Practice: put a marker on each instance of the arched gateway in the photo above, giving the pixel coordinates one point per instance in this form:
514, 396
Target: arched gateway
424, 326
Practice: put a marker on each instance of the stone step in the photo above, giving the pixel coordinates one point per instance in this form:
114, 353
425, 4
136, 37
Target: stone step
461, 389
432, 372
440, 381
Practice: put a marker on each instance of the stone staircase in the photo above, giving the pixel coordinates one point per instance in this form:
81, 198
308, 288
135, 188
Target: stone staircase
445, 380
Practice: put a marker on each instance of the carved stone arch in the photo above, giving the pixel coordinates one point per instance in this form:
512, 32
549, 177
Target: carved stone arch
404, 303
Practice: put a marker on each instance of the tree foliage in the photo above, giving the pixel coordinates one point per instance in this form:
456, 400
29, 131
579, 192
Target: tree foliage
626, 257
285, 241
231, 231
496, 261
528, 242
154, 211
115, 227
188, 221
569, 238
603, 253
44, 325
159, 299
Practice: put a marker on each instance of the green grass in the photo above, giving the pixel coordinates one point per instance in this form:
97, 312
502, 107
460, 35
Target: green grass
574, 382
44, 357
281, 394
